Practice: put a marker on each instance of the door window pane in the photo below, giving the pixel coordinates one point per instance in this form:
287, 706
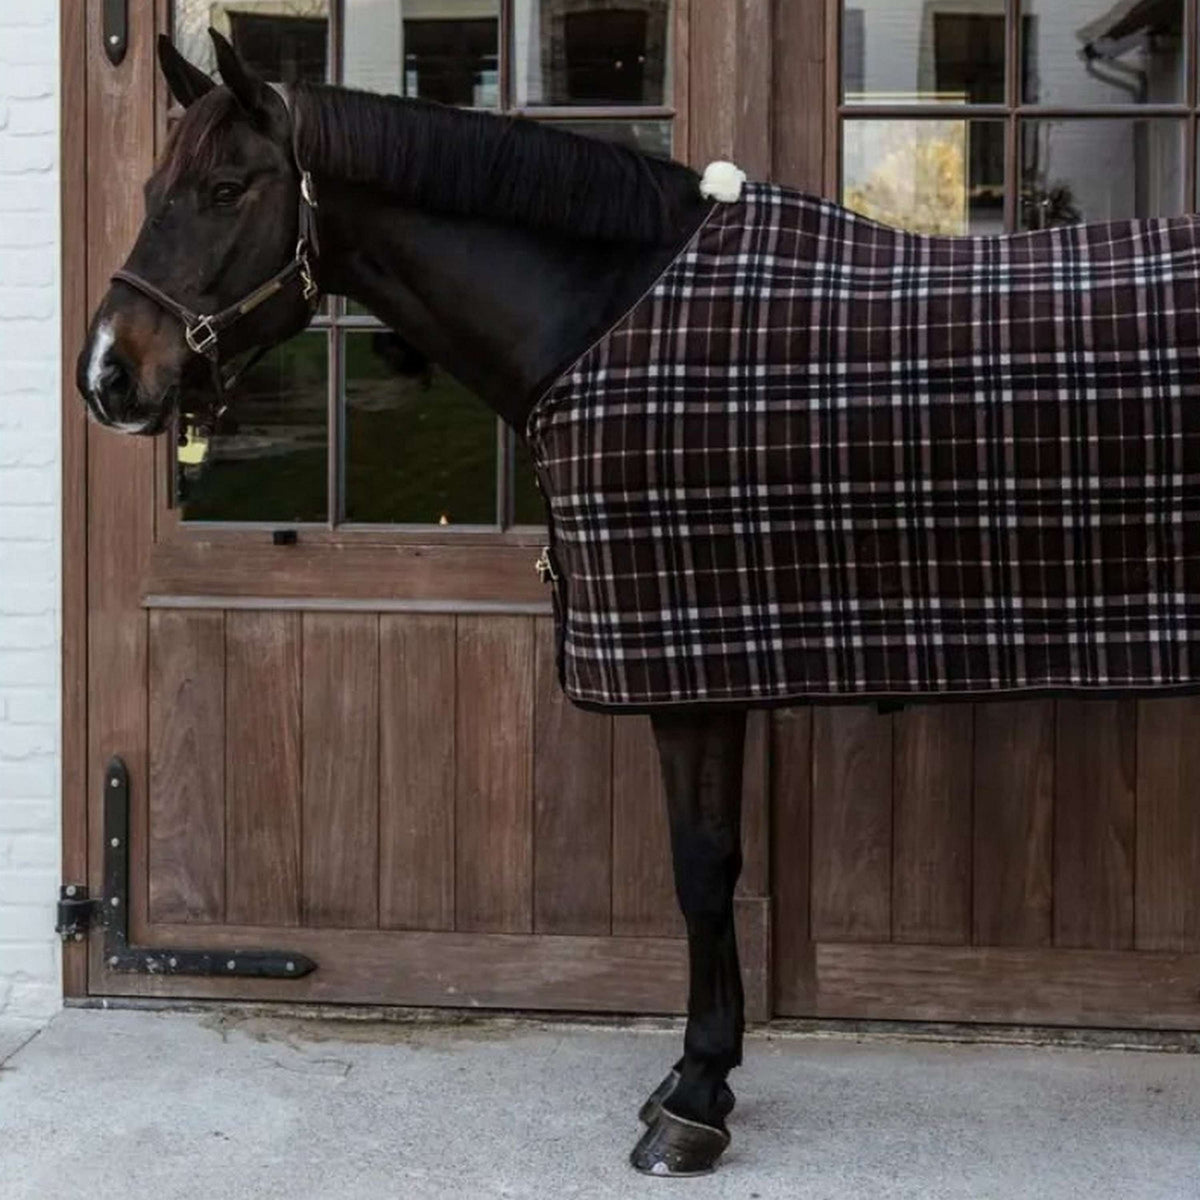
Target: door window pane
1097, 52
1100, 170
592, 52
435, 50
928, 176
528, 506
267, 459
284, 40
420, 448
908, 52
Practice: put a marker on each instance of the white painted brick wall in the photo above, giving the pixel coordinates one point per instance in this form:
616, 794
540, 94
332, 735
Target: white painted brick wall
30, 483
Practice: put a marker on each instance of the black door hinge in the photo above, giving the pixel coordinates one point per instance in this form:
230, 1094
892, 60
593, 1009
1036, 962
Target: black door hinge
78, 913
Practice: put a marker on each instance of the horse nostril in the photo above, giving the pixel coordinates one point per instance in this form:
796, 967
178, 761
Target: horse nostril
115, 381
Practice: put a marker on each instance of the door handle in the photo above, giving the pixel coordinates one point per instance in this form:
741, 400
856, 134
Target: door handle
116, 30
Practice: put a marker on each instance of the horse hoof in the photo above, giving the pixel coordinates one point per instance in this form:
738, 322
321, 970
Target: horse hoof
675, 1146
649, 1111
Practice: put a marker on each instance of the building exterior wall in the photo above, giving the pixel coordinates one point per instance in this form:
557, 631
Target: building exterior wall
30, 524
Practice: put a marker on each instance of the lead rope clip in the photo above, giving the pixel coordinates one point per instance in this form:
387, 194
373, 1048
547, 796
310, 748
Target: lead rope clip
545, 568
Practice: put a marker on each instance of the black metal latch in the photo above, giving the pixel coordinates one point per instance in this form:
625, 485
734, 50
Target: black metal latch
78, 912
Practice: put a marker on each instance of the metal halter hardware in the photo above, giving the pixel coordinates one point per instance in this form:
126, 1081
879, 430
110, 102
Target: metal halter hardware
202, 331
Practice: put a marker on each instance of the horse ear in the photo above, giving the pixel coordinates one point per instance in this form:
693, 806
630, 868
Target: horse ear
256, 96
187, 83
235, 75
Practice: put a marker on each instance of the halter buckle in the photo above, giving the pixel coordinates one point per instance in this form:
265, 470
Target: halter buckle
308, 283
201, 337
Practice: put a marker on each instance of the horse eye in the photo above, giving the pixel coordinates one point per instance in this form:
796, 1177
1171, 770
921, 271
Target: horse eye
227, 193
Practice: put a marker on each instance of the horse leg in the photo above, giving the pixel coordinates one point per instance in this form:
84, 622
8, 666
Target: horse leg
701, 758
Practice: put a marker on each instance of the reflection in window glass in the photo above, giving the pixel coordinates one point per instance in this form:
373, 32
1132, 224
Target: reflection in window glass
284, 40
528, 506
592, 52
1097, 52
267, 460
425, 48
420, 448
650, 137
929, 176
907, 51
1100, 170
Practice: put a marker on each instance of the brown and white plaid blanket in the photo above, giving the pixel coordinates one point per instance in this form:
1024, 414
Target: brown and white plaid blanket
825, 458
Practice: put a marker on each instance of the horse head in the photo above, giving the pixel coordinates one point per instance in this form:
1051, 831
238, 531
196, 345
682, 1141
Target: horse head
219, 269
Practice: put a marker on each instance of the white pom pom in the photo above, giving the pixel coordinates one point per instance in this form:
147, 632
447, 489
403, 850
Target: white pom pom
722, 181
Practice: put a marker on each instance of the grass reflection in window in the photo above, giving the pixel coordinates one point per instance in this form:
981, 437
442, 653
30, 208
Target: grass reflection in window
420, 448
267, 459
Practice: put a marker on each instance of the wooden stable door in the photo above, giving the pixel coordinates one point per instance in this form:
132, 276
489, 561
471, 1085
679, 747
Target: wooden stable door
1030, 861
351, 747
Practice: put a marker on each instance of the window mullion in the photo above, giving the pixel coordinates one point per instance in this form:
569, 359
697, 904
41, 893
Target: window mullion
504, 82
1191, 58
1014, 98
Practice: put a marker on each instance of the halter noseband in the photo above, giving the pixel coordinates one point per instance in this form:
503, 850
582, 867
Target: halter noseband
202, 331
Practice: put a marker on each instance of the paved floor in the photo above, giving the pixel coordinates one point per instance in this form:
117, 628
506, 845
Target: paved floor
174, 1106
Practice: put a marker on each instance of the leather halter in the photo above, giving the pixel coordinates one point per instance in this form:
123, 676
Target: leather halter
203, 330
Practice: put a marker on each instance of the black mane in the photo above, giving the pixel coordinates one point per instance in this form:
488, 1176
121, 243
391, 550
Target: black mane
476, 164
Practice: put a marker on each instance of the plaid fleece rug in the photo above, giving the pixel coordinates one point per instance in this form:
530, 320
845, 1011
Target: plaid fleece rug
825, 458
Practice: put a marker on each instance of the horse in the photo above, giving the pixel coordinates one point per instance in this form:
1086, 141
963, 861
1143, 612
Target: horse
788, 454
498, 248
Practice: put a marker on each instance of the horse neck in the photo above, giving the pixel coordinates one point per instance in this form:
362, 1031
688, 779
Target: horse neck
501, 308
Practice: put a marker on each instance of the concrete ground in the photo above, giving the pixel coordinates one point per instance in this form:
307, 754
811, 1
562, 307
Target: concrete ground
216, 1106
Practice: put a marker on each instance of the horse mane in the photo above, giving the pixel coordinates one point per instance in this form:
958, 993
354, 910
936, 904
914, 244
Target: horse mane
474, 164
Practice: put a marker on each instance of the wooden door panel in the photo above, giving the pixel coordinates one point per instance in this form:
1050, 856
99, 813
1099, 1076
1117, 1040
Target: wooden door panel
262, 767
572, 806
416, 785
267, 732
1095, 799
643, 883
1168, 825
494, 788
340, 786
460, 970
1014, 799
187, 767
851, 824
791, 860
931, 851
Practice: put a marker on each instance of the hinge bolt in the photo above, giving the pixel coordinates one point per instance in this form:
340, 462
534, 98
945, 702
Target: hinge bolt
79, 937
115, 902
112, 962
291, 966
173, 961
114, 842
114, 783
70, 889
231, 965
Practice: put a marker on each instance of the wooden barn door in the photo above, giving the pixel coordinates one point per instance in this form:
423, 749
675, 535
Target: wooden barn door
351, 747
1026, 861
1029, 861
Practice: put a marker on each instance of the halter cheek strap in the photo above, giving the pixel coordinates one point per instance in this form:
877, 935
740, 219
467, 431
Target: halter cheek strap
203, 330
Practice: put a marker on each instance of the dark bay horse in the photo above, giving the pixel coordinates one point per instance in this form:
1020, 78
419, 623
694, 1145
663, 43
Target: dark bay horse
500, 249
